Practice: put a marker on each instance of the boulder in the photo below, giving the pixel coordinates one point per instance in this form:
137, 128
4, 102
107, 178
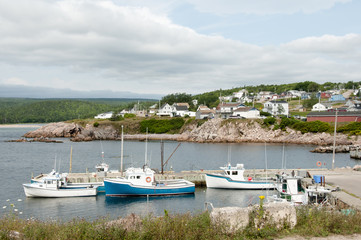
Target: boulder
236, 218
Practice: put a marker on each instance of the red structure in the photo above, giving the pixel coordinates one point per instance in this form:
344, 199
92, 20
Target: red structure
330, 116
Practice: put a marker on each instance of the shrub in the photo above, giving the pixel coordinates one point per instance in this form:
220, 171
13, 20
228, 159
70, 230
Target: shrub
269, 121
96, 124
129, 115
161, 125
353, 128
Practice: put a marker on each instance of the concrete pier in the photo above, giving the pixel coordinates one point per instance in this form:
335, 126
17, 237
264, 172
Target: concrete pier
345, 179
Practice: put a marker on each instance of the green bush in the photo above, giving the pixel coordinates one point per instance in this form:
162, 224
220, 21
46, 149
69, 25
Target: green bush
96, 124
267, 114
162, 125
353, 128
314, 126
129, 115
269, 121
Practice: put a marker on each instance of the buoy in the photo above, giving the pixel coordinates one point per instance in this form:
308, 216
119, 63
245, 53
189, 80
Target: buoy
249, 178
319, 164
148, 179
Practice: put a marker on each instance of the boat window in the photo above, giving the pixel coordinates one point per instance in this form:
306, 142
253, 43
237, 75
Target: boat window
234, 172
138, 177
132, 177
228, 172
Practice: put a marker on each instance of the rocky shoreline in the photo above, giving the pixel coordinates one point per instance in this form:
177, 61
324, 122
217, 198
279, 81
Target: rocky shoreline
212, 131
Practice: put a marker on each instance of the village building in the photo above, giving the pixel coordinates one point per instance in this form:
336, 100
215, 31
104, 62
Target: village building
204, 112
276, 107
321, 107
246, 112
166, 110
330, 116
225, 110
337, 98
106, 115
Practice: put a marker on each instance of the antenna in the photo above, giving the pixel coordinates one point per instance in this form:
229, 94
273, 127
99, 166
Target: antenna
121, 155
146, 147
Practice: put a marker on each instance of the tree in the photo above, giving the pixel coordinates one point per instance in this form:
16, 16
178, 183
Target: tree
177, 98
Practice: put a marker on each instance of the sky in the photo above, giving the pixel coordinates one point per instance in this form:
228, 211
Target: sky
151, 48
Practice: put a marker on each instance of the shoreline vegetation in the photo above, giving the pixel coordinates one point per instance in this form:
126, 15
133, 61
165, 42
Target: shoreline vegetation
311, 222
199, 131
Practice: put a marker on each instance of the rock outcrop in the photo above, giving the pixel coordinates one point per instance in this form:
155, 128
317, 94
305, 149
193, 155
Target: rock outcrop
236, 218
214, 130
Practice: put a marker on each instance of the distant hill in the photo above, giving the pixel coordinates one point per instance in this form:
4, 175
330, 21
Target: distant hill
31, 110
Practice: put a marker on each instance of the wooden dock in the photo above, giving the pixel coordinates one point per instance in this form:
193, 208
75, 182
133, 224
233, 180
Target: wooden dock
197, 176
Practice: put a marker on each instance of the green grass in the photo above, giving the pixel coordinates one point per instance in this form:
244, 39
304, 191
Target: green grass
311, 222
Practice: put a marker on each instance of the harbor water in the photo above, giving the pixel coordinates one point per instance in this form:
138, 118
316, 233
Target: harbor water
21, 160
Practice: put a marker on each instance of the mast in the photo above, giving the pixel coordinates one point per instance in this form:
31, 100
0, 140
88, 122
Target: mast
334, 142
162, 155
71, 157
121, 155
146, 148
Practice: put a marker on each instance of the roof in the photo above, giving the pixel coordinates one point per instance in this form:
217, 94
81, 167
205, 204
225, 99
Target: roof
181, 108
274, 101
333, 113
243, 109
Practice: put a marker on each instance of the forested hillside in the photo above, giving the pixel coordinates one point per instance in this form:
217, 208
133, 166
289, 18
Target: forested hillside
19, 110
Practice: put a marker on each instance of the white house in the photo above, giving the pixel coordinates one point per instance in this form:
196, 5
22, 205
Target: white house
276, 107
153, 109
225, 110
240, 93
319, 107
166, 110
180, 111
246, 112
204, 112
104, 115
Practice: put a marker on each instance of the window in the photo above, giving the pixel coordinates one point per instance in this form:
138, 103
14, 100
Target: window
228, 172
234, 172
138, 177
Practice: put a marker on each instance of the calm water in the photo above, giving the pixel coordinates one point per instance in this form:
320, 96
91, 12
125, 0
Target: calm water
20, 160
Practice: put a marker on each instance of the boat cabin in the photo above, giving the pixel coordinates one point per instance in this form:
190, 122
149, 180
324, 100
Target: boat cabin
140, 176
235, 173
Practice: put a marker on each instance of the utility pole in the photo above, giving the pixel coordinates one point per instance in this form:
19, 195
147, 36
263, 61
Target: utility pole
334, 142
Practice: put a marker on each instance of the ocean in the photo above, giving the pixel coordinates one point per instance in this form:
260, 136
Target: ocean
21, 160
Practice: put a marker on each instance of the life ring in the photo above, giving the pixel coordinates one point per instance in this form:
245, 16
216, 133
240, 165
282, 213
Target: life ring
249, 178
148, 179
319, 164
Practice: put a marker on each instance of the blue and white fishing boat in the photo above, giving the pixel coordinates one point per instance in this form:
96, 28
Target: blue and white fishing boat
55, 186
141, 182
233, 178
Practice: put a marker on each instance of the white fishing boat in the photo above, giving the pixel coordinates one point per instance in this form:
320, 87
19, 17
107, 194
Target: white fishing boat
233, 178
55, 186
290, 188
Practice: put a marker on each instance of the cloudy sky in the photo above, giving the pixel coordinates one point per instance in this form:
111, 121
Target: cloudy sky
124, 48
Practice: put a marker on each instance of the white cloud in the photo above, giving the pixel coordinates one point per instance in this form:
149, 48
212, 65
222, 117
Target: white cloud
99, 45
263, 7
14, 81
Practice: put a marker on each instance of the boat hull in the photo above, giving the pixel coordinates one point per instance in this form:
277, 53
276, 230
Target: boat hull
36, 191
220, 181
114, 187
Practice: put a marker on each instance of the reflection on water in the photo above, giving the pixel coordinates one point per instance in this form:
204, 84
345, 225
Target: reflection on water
54, 208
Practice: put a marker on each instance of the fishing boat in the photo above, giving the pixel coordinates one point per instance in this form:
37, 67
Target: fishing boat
55, 186
290, 188
141, 182
233, 178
